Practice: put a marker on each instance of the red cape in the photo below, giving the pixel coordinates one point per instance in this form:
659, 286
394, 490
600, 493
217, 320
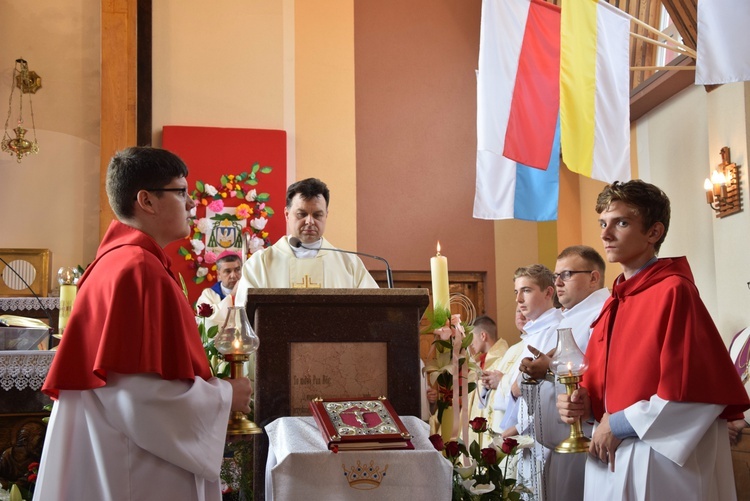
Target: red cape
130, 316
661, 341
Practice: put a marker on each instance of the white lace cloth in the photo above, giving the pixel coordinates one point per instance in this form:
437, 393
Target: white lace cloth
28, 303
24, 369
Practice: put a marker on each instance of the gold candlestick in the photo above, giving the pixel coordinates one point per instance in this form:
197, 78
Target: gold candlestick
239, 424
576, 442
569, 363
236, 341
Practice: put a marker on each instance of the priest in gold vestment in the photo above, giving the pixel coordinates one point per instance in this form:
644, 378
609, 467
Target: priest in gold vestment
306, 266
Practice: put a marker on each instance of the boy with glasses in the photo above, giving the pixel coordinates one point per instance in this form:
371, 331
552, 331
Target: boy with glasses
137, 414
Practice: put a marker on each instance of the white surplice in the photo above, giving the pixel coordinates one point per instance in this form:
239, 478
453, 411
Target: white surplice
542, 335
564, 472
278, 267
139, 438
682, 453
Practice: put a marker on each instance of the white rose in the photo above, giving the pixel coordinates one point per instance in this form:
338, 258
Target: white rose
210, 189
259, 223
205, 225
193, 211
201, 272
198, 246
256, 244
251, 195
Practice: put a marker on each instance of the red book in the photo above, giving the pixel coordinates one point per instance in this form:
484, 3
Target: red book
350, 424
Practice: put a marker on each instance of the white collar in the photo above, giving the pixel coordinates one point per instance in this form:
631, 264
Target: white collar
310, 251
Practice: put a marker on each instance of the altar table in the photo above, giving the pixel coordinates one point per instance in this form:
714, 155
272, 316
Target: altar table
300, 466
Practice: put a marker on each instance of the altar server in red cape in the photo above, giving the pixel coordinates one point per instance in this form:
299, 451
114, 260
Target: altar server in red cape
137, 414
660, 384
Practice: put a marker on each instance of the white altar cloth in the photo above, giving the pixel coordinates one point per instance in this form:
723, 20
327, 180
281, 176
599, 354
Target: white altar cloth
300, 466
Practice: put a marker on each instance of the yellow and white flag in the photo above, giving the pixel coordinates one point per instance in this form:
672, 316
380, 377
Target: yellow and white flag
595, 90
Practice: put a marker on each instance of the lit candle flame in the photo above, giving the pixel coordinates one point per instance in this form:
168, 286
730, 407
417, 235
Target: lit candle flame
438, 248
236, 344
570, 368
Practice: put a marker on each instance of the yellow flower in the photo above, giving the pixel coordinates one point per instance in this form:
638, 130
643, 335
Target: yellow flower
223, 195
189, 257
264, 234
230, 176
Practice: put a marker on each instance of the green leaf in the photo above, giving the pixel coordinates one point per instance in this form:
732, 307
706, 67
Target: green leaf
200, 186
256, 167
240, 194
444, 344
183, 251
224, 180
199, 280
212, 331
269, 211
467, 341
262, 197
474, 451
252, 182
266, 170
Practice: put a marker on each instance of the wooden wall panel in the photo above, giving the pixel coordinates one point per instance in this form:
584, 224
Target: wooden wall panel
118, 115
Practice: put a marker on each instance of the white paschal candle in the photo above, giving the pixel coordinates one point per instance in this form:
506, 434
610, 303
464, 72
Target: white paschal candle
440, 286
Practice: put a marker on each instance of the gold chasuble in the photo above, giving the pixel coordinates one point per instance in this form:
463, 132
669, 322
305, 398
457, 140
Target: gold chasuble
278, 267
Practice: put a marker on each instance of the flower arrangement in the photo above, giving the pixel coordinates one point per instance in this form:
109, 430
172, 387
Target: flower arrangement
451, 362
224, 230
485, 477
219, 368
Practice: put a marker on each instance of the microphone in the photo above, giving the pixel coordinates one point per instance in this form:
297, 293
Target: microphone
297, 243
46, 311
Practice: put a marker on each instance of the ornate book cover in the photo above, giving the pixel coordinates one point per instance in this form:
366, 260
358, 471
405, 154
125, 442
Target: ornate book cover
351, 424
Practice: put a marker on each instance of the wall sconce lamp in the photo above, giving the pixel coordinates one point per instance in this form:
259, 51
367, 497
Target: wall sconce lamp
723, 189
29, 82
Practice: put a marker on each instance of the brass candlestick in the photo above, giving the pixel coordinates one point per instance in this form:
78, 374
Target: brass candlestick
239, 424
569, 363
576, 442
236, 341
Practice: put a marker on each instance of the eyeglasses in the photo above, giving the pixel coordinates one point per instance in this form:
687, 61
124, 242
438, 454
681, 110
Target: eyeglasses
182, 191
568, 274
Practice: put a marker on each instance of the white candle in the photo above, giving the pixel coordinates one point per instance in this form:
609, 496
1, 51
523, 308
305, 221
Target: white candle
440, 286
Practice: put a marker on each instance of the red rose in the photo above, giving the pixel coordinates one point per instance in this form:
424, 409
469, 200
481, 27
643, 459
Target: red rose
205, 310
478, 424
452, 449
509, 444
33, 466
437, 441
489, 455
32, 477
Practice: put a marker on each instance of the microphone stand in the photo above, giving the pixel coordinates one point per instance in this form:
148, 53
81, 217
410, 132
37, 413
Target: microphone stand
388, 272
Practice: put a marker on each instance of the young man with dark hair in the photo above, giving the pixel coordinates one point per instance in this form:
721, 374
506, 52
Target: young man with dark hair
660, 383
137, 413
306, 266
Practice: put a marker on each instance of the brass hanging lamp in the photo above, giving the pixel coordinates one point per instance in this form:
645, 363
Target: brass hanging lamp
29, 82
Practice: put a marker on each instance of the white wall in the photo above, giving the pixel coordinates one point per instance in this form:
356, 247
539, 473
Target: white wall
51, 200
678, 144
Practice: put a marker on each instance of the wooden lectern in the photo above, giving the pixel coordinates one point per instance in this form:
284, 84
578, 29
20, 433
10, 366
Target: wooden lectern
333, 343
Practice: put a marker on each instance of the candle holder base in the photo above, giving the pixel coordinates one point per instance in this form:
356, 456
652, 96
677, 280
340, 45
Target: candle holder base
239, 424
573, 445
